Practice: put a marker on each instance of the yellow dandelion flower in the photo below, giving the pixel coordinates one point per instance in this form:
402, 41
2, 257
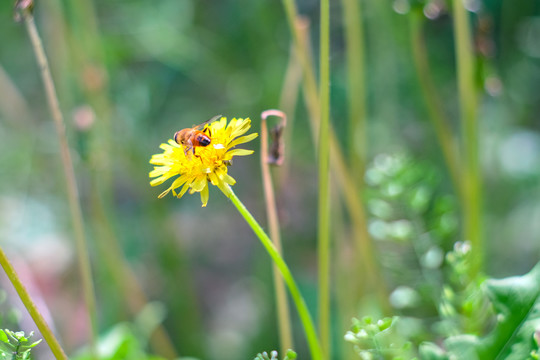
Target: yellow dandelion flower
207, 164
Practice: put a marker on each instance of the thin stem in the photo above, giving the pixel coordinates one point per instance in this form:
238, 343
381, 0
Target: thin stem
69, 174
301, 307
324, 181
469, 130
287, 102
364, 246
31, 307
354, 40
284, 321
433, 101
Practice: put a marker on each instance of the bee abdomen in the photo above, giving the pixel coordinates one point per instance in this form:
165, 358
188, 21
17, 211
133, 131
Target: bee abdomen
203, 140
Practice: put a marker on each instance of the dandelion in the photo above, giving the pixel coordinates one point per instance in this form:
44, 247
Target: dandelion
204, 164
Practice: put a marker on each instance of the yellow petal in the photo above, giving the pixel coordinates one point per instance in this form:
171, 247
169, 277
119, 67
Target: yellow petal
183, 191
199, 184
205, 195
239, 152
243, 139
164, 193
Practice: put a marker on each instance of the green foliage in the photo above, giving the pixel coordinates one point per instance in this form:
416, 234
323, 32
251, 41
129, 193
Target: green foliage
382, 339
274, 355
414, 222
464, 307
515, 302
16, 345
121, 342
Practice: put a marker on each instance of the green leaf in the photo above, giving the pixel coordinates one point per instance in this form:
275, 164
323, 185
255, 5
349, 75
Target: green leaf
516, 300
3, 336
34, 343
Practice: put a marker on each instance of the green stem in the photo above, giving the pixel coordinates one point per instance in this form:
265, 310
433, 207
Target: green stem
301, 307
284, 321
366, 252
354, 39
324, 181
432, 99
31, 307
69, 175
469, 128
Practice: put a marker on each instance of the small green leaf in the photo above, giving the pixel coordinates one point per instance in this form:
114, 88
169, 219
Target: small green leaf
3, 336
34, 343
11, 334
291, 355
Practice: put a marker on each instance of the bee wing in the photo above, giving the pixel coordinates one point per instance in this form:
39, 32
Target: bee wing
200, 126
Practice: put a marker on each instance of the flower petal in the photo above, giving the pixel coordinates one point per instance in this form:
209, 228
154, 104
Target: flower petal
239, 152
199, 184
205, 195
184, 189
243, 139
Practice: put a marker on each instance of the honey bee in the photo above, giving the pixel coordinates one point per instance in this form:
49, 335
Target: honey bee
195, 136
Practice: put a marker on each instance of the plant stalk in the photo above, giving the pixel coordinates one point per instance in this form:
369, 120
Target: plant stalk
55, 347
324, 181
433, 102
354, 40
284, 321
366, 252
301, 307
468, 102
69, 175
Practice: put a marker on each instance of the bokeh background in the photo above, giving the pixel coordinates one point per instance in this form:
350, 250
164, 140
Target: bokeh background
131, 73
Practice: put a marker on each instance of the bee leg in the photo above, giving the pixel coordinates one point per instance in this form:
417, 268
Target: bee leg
187, 148
188, 145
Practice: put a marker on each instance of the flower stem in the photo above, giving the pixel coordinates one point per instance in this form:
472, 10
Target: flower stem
301, 307
69, 174
324, 181
31, 307
472, 198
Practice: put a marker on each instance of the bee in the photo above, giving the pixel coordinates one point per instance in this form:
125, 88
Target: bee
195, 136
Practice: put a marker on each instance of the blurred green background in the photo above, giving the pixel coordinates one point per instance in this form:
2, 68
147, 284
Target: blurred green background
131, 73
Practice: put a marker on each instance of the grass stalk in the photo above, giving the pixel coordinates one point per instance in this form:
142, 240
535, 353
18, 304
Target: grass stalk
364, 247
469, 134
354, 45
284, 321
301, 307
69, 174
324, 181
287, 103
433, 102
90, 59
55, 347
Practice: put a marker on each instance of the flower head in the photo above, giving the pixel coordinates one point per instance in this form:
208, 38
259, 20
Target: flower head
202, 164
